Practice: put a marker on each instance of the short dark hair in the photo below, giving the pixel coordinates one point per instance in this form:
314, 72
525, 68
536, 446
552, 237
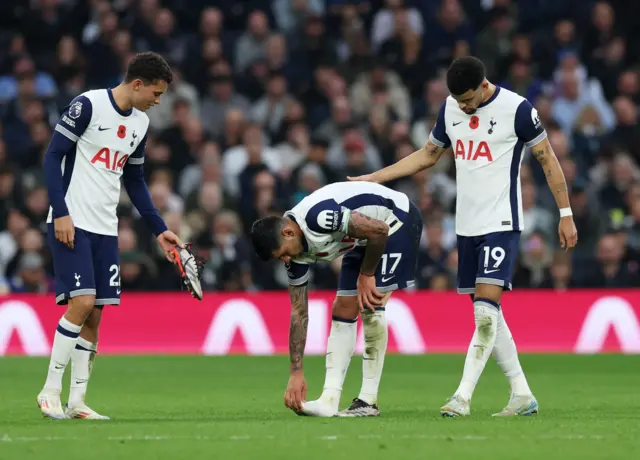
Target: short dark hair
265, 236
464, 74
148, 67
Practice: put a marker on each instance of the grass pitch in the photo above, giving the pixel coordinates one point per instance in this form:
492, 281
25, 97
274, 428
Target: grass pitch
231, 408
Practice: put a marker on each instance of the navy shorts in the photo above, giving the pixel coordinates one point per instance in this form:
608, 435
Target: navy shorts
92, 267
397, 267
487, 259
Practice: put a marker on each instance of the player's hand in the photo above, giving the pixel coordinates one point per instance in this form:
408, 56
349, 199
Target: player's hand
65, 231
168, 241
568, 233
368, 295
364, 178
296, 392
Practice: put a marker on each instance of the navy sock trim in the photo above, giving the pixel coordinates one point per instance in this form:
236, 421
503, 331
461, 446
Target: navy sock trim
489, 301
80, 347
67, 333
342, 320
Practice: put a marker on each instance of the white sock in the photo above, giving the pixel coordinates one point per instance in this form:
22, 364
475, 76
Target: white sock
340, 348
63, 342
376, 337
481, 346
506, 355
82, 358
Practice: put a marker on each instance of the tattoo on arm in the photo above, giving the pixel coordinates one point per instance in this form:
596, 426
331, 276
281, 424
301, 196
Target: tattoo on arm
543, 152
375, 232
434, 151
299, 321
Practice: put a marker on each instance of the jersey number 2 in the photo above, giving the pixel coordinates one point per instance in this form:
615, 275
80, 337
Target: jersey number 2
115, 279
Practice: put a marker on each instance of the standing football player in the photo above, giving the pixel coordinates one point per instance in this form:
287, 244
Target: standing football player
99, 138
487, 128
378, 231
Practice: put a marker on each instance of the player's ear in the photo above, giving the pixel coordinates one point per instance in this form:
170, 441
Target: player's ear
287, 232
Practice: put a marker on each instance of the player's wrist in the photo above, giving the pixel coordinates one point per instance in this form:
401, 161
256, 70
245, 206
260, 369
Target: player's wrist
368, 275
566, 212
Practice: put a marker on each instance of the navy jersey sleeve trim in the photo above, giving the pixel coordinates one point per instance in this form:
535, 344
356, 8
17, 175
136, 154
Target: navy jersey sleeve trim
528, 126
59, 147
137, 158
327, 216
298, 273
75, 118
438, 134
134, 184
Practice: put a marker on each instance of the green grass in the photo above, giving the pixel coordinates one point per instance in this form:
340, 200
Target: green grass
231, 408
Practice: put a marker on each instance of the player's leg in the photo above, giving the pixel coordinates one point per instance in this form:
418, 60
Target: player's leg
486, 309
376, 336
340, 348
522, 401
107, 275
75, 287
396, 270
486, 313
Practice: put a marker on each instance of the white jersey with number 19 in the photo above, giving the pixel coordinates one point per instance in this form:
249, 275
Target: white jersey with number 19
488, 147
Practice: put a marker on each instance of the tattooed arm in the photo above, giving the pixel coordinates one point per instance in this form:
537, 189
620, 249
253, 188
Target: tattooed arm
375, 232
558, 185
552, 171
421, 159
298, 328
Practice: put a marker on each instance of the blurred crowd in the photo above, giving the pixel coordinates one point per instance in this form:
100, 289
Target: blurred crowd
275, 98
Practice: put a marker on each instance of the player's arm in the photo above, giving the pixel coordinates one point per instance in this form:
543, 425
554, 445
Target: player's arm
543, 152
424, 158
136, 187
530, 130
296, 391
375, 232
298, 326
72, 124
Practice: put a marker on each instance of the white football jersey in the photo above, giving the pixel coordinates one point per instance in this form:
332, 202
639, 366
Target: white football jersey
488, 147
107, 138
324, 215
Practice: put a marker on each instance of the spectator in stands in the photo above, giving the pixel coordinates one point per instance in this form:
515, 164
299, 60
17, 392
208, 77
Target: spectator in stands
317, 92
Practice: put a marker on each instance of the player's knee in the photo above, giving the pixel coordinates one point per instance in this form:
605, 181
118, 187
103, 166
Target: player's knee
345, 307
93, 320
80, 308
493, 292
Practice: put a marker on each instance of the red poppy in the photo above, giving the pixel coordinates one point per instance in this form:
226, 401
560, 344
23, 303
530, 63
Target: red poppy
474, 122
122, 131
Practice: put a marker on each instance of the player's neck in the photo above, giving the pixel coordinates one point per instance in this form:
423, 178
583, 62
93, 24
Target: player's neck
489, 92
121, 97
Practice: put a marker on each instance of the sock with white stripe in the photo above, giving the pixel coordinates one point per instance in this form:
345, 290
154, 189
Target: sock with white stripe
63, 342
486, 314
506, 354
340, 348
82, 358
376, 337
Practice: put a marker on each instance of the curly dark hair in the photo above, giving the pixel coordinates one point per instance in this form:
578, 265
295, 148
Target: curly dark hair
149, 67
464, 74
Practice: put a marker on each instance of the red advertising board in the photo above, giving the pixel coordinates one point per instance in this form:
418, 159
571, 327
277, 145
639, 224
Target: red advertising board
589, 321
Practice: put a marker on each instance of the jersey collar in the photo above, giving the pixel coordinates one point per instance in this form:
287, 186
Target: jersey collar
492, 98
124, 113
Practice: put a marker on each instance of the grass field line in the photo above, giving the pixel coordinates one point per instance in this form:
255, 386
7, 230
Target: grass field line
27, 439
